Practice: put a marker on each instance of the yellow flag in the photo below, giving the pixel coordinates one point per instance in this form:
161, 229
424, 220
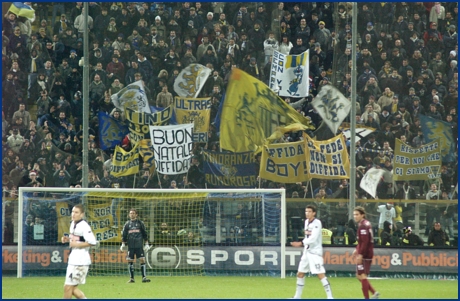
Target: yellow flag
251, 112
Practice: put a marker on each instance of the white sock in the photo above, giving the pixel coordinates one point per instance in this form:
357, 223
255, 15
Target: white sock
299, 288
327, 287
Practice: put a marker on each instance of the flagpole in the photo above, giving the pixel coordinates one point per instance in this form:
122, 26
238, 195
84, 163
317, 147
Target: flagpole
85, 121
354, 40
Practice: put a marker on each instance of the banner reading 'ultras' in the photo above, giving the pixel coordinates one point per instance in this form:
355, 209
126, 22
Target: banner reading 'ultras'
247, 258
327, 159
196, 111
172, 147
125, 163
230, 170
284, 162
289, 74
417, 163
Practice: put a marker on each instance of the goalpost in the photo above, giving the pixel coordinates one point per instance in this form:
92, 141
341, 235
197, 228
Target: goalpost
191, 231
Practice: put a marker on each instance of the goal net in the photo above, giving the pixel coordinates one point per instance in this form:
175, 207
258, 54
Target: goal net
191, 232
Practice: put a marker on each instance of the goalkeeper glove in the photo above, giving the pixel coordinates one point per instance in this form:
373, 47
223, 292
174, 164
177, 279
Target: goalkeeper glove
123, 247
146, 247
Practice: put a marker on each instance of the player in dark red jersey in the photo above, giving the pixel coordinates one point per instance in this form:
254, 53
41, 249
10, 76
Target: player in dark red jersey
364, 252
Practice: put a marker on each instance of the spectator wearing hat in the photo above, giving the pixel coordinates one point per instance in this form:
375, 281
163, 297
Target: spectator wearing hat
209, 22
370, 31
449, 38
197, 20
209, 57
365, 16
118, 42
411, 239
322, 35
254, 69
33, 179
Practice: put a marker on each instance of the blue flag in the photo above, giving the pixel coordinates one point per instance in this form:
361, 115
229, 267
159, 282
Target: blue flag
111, 131
432, 129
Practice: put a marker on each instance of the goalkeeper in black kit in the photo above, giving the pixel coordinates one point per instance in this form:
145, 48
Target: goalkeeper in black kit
134, 234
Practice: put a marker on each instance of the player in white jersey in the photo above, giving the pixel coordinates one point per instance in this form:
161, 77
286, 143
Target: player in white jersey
81, 238
312, 257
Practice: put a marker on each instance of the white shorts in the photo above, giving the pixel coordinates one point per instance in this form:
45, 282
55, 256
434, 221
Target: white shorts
76, 274
311, 263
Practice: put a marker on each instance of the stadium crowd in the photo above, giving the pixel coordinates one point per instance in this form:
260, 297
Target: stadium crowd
407, 57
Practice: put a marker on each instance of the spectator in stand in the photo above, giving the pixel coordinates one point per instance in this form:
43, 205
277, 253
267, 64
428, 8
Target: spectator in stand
433, 212
410, 238
437, 236
323, 185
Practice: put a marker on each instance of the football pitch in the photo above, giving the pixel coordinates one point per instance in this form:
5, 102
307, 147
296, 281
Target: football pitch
225, 287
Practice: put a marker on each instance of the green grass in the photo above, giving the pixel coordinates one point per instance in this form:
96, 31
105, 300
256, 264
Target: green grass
223, 287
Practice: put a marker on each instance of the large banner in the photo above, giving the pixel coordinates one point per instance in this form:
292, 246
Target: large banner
172, 147
132, 96
244, 258
230, 170
101, 221
251, 112
332, 106
191, 80
111, 131
139, 122
327, 159
125, 163
371, 180
284, 163
433, 129
421, 163
196, 111
289, 74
